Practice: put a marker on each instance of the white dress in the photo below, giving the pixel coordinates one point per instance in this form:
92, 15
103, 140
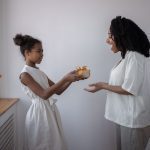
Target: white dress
43, 128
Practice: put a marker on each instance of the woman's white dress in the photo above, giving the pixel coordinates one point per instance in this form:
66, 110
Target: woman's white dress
43, 128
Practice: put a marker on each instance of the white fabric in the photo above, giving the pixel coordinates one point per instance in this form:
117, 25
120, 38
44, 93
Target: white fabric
43, 124
130, 110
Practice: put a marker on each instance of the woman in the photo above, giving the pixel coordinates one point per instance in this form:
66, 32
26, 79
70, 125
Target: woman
126, 105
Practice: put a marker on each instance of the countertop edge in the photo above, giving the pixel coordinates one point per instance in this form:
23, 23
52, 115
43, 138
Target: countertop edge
6, 103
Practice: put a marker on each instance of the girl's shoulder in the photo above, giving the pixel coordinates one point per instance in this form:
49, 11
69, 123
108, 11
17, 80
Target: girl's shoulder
34, 72
24, 69
31, 70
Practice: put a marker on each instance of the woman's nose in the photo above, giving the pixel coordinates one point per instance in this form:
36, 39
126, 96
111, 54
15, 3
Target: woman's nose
108, 41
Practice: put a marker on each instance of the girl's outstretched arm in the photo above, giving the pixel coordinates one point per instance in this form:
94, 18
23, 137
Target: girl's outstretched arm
62, 88
27, 80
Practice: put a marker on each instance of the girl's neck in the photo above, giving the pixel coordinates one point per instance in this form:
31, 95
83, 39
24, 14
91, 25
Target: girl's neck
31, 64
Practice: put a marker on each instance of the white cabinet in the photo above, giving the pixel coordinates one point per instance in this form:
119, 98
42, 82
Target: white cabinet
8, 128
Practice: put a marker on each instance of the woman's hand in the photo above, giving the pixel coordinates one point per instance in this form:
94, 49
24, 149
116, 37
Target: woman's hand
96, 87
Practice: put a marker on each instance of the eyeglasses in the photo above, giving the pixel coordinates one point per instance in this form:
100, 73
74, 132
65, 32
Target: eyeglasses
37, 51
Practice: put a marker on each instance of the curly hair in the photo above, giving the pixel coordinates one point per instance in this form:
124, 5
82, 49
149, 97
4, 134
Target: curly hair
128, 36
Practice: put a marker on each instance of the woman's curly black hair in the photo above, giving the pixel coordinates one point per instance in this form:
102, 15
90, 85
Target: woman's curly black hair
129, 37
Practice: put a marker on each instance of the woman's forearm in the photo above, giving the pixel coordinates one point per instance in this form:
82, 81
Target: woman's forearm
115, 89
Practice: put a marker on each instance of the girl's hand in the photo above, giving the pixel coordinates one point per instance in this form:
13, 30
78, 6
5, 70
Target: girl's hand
96, 87
72, 77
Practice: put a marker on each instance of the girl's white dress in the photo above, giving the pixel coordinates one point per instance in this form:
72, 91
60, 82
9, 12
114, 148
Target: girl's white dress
43, 128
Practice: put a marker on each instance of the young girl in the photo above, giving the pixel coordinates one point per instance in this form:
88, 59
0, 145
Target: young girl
43, 126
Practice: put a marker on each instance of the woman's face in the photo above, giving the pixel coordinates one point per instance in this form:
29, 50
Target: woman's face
111, 42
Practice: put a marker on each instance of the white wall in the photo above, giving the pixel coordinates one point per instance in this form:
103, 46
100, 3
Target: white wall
73, 34
0, 34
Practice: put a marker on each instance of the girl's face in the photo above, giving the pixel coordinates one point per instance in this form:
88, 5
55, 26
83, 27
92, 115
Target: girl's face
36, 54
111, 42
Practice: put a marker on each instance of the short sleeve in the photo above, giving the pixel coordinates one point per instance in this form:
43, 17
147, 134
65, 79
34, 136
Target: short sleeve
133, 75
